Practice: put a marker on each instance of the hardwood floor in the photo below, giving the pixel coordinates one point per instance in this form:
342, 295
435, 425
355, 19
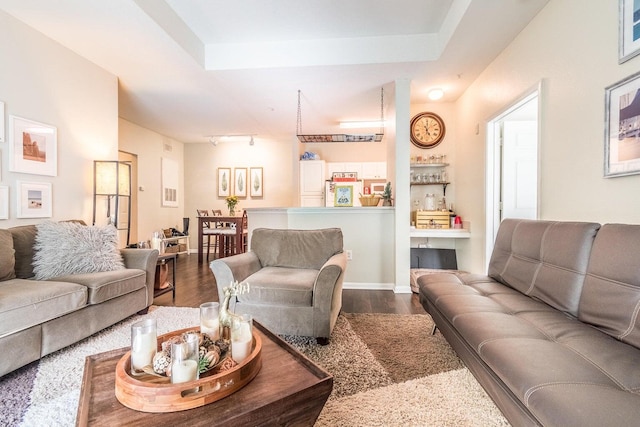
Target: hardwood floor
195, 284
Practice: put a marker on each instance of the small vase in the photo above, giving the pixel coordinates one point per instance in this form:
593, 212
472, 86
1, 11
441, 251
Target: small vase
232, 212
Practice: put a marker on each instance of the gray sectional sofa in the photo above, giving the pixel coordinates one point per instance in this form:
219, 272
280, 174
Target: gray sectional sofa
38, 317
553, 331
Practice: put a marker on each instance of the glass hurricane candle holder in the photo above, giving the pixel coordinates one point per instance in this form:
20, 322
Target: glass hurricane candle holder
144, 344
241, 337
210, 320
184, 360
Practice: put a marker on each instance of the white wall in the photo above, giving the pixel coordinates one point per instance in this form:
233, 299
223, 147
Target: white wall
150, 147
43, 81
573, 49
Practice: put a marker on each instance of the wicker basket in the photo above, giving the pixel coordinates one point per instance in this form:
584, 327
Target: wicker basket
370, 201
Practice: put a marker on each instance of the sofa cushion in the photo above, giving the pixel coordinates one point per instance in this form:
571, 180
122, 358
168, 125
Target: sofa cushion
63, 248
280, 286
24, 238
26, 303
546, 260
105, 285
611, 296
296, 248
7, 256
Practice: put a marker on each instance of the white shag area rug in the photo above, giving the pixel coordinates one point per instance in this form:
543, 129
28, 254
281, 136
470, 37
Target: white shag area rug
364, 390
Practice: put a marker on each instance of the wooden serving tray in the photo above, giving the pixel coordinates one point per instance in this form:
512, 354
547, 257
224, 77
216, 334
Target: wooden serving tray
150, 393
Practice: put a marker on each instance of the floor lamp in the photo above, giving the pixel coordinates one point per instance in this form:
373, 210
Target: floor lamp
112, 184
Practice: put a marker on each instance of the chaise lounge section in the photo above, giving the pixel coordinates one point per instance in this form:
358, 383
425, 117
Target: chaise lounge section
552, 332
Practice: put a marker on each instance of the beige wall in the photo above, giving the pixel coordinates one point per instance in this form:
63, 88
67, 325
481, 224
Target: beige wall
150, 147
573, 49
42, 81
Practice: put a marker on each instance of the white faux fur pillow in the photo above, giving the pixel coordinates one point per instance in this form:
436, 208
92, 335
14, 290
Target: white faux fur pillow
63, 248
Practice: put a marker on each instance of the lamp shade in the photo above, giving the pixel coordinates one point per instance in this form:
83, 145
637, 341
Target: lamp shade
112, 178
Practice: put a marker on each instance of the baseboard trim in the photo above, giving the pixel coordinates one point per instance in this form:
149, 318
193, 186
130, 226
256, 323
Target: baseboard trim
368, 286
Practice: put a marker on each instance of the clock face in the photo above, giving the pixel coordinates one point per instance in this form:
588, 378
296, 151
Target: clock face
427, 130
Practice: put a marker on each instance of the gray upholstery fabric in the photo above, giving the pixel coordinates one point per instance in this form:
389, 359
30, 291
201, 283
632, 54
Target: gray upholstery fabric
541, 364
287, 295
24, 238
611, 296
7, 256
544, 259
105, 285
295, 248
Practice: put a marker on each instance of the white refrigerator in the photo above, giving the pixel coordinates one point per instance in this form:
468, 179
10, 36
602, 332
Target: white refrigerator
346, 190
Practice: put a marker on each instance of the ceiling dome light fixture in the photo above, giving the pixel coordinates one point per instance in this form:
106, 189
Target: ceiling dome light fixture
435, 94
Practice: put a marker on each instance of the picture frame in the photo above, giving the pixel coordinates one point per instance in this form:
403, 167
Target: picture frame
343, 196
169, 169
256, 182
224, 182
33, 147
622, 128
628, 29
2, 135
240, 182
33, 199
4, 202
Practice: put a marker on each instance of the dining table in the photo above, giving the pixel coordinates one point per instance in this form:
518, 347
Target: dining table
231, 221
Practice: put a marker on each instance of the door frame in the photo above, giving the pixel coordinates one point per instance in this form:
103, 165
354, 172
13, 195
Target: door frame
493, 164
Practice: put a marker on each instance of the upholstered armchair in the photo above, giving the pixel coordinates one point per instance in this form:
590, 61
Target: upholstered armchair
295, 280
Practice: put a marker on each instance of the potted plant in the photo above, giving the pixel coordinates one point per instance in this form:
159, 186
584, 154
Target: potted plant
232, 201
386, 195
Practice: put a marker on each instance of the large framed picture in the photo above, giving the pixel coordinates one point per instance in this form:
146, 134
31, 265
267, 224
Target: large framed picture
622, 128
224, 182
33, 199
343, 196
629, 29
33, 147
256, 182
240, 182
4, 202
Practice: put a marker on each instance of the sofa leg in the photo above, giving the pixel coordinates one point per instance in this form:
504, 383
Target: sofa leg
145, 311
322, 340
434, 329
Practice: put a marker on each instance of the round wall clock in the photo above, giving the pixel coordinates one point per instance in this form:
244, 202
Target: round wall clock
427, 130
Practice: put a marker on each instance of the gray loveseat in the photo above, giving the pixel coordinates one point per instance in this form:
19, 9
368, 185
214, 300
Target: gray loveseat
295, 279
553, 331
40, 317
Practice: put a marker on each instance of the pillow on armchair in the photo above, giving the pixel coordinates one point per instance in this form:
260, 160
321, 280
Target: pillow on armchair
63, 248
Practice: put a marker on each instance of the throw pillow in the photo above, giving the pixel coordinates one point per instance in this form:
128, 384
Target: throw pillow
7, 257
63, 248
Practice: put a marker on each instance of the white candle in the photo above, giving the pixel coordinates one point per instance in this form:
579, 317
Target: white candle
210, 327
241, 341
184, 371
143, 349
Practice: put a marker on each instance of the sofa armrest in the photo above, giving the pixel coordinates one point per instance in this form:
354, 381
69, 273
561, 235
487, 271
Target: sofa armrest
327, 290
236, 267
143, 259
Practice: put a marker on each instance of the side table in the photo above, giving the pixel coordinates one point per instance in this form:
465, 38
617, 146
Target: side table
163, 259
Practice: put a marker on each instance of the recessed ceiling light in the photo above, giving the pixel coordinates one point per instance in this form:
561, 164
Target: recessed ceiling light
435, 94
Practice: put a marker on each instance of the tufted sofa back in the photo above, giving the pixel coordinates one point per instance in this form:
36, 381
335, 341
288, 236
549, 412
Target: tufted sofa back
546, 260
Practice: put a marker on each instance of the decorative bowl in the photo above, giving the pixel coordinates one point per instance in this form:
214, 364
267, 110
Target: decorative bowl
372, 200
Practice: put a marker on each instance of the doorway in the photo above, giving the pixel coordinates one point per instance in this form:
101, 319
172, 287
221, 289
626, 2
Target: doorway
512, 165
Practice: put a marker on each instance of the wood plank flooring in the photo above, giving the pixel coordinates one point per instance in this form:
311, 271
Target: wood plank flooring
195, 284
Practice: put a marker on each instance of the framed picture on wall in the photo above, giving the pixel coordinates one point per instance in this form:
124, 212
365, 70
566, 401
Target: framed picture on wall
629, 29
622, 128
33, 199
343, 196
240, 182
4, 202
33, 147
224, 182
255, 182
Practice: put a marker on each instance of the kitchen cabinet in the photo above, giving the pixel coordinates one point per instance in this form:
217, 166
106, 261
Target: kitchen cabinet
312, 178
374, 170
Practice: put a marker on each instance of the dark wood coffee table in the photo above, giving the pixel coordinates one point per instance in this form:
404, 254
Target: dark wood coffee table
289, 390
